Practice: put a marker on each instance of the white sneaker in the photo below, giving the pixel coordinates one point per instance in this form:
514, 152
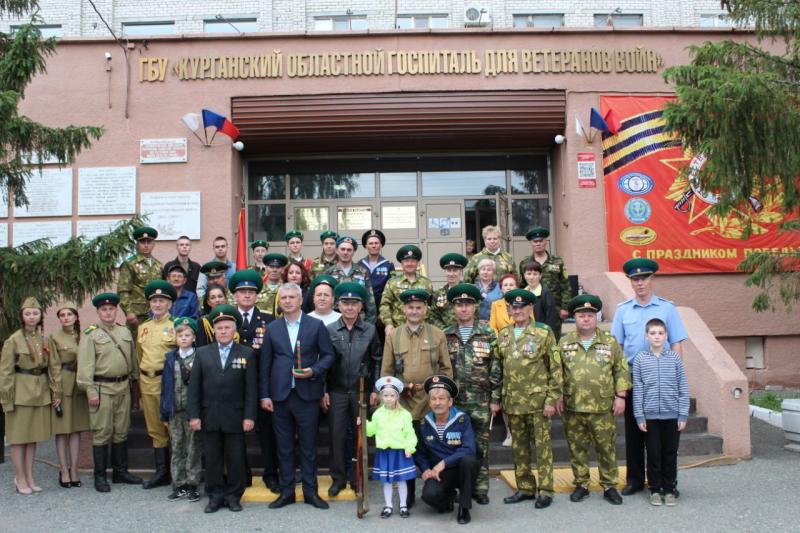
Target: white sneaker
507, 442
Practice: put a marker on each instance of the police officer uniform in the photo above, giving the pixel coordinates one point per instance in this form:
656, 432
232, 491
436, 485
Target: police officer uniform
134, 273
391, 310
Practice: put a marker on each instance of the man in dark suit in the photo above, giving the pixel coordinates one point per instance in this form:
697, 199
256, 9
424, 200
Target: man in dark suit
295, 357
245, 286
223, 401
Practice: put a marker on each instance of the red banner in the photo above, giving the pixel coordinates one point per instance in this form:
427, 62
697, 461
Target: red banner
655, 212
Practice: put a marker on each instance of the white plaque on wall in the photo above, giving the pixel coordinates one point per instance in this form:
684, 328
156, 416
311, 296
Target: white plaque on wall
49, 194
163, 151
58, 232
94, 228
3, 234
172, 213
107, 191
399, 216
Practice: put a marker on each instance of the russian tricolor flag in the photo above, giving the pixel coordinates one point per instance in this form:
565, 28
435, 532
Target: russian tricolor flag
222, 124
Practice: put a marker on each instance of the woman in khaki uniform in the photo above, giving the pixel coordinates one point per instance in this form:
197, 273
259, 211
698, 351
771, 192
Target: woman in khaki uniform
30, 380
74, 416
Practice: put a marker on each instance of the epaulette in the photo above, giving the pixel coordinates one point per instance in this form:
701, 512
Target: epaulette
90, 329
543, 325
626, 301
665, 300
130, 258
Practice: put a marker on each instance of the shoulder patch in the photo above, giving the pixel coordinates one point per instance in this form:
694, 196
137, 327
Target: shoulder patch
90, 329
543, 326
131, 258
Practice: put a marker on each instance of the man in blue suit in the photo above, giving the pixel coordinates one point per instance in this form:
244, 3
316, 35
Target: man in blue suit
296, 354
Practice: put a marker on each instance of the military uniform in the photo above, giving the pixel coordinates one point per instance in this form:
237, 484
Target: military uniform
391, 311
155, 339
504, 264
136, 272
554, 277
75, 410
361, 275
320, 265
441, 314
267, 300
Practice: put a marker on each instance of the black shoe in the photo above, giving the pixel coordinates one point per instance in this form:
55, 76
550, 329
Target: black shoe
75, 483
542, 502
178, 493
212, 507
463, 516
518, 497
161, 477
192, 495
282, 501
336, 488
64, 484
612, 496
386, 513
448, 508
404, 512
234, 505
579, 494
316, 501
100, 456
481, 499
272, 484
629, 489
674, 493
119, 465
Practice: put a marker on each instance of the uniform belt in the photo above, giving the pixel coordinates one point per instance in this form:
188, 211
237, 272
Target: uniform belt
70, 367
153, 374
108, 379
31, 371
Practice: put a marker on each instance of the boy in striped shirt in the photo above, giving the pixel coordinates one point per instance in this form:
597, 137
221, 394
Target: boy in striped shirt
661, 408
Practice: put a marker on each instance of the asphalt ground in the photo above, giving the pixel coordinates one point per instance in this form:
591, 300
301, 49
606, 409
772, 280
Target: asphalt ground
762, 494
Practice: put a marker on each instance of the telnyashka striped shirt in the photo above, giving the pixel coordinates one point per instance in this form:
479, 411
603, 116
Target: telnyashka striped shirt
660, 389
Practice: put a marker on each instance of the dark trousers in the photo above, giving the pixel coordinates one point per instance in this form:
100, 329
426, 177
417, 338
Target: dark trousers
223, 451
439, 494
295, 416
662, 439
634, 446
342, 414
269, 446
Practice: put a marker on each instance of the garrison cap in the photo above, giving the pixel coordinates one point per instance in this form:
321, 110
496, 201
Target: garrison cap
389, 382
214, 268
441, 382
585, 302
161, 288
519, 297
292, 234
246, 279
345, 238
351, 290
144, 232
328, 235
373, 233
639, 267
275, 260
225, 312
256, 244
537, 233
415, 295
409, 251
464, 293
31, 303
453, 260
104, 298
185, 321
324, 279
176, 266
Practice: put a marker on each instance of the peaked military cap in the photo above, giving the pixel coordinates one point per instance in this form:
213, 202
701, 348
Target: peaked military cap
464, 292
453, 260
351, 290
409, 251
324, 279
328, 235
256, 244
373, 233
225, 312
176, 266
104, 298
414, 295
639, 267
144, 232
441, 382
345, 238
275, 260
537, 233
519, 297
161, 288
585, 302
214, 268
389, 382
246, 279
185, 321
292, 234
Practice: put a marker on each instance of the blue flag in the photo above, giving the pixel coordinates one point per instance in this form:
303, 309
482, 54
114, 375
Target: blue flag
597, 122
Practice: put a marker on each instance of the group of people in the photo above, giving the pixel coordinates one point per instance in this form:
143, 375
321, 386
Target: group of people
210, 353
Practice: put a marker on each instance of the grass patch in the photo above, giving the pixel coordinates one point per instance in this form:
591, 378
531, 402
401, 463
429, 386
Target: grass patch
768, 400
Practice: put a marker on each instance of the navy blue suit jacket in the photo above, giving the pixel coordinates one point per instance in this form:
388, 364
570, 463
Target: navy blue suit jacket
278, 358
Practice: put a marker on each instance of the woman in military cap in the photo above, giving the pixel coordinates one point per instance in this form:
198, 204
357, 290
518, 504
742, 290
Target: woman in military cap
73, 418
30, 381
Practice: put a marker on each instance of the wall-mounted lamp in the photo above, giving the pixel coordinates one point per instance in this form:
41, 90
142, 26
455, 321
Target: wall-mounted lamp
737, 392
559, 139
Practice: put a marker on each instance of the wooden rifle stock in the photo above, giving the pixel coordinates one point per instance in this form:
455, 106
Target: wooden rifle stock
362, 455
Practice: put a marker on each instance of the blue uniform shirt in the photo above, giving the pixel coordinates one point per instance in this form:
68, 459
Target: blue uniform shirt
186, 305
378, 276
631, 318
458, 440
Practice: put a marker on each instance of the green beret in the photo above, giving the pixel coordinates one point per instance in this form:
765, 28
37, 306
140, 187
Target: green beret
585, 302
246, 279
144, 232
373, 233
159, 287
351, 290
453, 260
519, 297
215, 268
225, 312
185, 321
538, 233
345, 238
328, 235
324, 279
105, 298
441, 382
176, 266
415, 295
275, 260
409, 251
639, 267
464, 292
292, 234
256, 244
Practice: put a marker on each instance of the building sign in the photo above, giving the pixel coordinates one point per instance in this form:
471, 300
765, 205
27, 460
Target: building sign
587, 170
353, 218
163, 151
399, 216
90, 229
49, 194
172, 214
58, 232
107, 191
489, 63
657, 211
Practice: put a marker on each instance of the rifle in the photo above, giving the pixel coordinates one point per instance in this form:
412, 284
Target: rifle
362, 455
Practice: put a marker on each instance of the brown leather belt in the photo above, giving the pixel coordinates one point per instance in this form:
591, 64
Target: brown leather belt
41, 371
107, 379
153, 374
70, 367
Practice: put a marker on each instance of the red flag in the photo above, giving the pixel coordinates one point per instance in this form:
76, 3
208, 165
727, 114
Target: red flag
613, 121
241, 243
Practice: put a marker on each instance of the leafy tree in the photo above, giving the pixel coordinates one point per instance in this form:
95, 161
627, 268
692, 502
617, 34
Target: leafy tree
739, 105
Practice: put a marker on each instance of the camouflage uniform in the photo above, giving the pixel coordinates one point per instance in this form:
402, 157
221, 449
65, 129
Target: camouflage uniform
479, 376
136, 272
442, 313
391, 311
555, 278
267, 299
319, 265
591, 378
361, 275
532, 378
187, 450
503, 262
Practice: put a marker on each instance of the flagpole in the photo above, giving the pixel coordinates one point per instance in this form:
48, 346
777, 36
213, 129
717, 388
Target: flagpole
212, 137
199, 138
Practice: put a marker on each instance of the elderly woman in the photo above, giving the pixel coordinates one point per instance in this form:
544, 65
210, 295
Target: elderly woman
490, 289
503, 261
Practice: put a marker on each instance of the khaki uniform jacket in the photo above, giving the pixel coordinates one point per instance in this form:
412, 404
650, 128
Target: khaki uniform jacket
66, 346
155, 338
107, 351
267, 300
320, 265
503, 263
25, 389
136, 272
391, 312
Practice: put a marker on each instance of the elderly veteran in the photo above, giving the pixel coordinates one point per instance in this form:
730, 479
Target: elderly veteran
446, 450
213, 273
391, 309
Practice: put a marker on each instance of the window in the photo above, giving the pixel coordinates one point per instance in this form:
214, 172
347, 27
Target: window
464, 183
321, 186
47, 30
266, 222
132, 29
618, 20
407, 22
754, 352
230, 25
340, 23
395, 184
720, 20
550, 20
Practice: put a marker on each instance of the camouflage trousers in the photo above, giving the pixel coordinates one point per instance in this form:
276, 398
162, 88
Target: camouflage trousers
480, 413
600, 431
187, 451
536, 428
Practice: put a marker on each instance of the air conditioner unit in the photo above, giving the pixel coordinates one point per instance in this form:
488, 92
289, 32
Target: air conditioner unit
477, 15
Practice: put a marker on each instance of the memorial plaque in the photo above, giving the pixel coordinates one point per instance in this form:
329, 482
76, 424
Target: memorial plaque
107, 191
163, 151
172, 213
354, 218
49, 194
399, 217
95, 228
58, 232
